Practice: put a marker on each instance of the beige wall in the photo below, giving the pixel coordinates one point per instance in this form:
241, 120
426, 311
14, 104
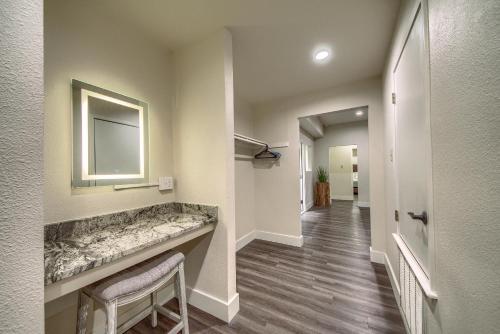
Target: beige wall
355, 133
277, 188
81, 43
465, 132
244, 172
204, 158
21, 167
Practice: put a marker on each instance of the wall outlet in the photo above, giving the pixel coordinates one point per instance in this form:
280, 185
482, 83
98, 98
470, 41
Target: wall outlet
165, 183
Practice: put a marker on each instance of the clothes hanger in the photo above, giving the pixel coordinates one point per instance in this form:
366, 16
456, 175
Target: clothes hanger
266, 154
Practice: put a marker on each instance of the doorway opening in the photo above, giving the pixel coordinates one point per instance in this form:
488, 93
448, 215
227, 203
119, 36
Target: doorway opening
336, 143
343, 172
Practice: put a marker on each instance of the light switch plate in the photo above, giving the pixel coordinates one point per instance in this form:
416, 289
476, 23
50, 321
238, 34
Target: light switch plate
165, 183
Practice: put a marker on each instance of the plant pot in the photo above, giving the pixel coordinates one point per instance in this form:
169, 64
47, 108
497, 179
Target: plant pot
322, 194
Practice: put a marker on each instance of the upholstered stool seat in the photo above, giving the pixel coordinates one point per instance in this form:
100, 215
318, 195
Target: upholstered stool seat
135, 283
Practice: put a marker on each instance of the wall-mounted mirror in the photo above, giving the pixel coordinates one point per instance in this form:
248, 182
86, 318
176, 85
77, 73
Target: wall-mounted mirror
110, 137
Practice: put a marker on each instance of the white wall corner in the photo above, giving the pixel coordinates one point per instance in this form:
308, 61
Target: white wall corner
377, 256
309, 205
364, 204
245, 240
225, 311
280, 238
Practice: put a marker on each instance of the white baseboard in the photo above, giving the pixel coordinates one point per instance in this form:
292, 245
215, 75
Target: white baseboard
363, 204
280, 238
213, 305
377, 256
245, 240
309, 205
269, 236
343, 197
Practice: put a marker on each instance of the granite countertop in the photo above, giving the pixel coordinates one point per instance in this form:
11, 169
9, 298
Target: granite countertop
75, 246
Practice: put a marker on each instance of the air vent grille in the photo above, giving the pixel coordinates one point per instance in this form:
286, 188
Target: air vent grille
411, 298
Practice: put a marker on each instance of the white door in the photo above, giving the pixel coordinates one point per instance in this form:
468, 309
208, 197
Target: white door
412, 135
341, 172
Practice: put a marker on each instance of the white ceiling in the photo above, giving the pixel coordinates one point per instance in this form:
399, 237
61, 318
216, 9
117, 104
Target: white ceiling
343, 116
273, 39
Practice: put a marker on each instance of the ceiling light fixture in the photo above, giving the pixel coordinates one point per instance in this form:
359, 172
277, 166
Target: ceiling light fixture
359, 113
321, 55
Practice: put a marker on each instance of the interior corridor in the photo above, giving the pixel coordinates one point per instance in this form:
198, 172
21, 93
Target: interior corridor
327, 286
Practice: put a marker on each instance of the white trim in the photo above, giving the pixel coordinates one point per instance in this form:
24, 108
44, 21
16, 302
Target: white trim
392, 276
130, 186
280, 238
245, 240
284, 239
420, 275
213, 305
363, 204
377, 256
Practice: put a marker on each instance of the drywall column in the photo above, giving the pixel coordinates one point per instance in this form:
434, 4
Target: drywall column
204, 166
244, 177
21, 166
464, 43
465, 133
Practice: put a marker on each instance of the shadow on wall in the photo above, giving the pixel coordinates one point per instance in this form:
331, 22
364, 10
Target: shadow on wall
266, 164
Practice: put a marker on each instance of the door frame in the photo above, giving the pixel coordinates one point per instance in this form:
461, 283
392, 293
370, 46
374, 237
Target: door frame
303, 189
420, 7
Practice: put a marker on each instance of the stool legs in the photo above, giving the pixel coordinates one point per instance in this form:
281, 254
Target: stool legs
180, 291
111, 317
111, 306
154, 313
83, 310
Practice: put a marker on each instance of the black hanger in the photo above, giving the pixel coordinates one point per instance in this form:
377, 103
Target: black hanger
266, 154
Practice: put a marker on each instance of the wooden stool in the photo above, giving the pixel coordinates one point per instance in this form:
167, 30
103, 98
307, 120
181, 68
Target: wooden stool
133, 284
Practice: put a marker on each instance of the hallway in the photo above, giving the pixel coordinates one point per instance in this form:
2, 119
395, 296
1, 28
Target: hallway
327, 286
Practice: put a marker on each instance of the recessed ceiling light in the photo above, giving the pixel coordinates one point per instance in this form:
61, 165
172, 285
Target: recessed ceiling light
322, 55
359, 113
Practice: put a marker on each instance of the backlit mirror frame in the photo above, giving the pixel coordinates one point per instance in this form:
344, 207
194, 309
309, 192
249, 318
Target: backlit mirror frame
81, 91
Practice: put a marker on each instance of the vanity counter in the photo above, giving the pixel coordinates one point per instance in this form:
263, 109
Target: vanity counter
74, 247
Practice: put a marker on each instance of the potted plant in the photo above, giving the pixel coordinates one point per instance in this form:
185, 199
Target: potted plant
322, 188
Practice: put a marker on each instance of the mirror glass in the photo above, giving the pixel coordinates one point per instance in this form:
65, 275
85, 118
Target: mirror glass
109, 137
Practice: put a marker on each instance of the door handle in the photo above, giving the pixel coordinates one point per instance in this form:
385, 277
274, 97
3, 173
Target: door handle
422, 217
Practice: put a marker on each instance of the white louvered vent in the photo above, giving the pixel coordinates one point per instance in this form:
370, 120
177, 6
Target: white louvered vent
411, 297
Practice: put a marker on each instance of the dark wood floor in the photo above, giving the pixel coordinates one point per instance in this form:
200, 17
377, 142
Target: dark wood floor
327, 286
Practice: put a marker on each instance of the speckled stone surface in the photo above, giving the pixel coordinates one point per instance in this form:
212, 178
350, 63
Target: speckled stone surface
75, 246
